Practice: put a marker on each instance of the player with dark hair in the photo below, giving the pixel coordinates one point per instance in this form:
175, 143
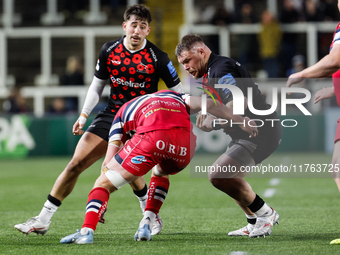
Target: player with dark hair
133, 66
198, 60
163, 141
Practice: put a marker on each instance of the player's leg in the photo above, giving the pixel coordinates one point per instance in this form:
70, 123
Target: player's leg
168, 163
89, 149
232, 184
336, 157
158, 190
140, 189
251, 220
109, 181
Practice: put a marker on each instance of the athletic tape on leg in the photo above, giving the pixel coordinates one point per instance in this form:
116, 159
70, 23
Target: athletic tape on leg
156, 172
115, 178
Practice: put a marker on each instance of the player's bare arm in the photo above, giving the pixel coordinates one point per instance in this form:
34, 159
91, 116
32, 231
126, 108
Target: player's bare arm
324, 93
79, 125
322, 69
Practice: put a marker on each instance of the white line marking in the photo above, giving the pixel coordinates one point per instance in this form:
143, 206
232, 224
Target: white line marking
269, 192
274, 182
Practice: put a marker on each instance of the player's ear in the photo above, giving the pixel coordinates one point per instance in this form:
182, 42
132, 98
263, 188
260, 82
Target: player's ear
201, 51
148, 31
124, 26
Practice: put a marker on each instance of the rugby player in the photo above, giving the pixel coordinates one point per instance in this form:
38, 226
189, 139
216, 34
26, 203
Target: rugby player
163, 141
198, 60
329, 65
133, 66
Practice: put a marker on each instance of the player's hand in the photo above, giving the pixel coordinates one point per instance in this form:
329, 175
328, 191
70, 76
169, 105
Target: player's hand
250, 127
323, 94
293, 79
204, 122
79, 124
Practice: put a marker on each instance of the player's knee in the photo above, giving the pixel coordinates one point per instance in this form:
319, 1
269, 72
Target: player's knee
76, 166
114, 177
215, 180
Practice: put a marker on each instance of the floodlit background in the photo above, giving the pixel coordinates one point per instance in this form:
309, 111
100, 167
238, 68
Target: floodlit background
48, 52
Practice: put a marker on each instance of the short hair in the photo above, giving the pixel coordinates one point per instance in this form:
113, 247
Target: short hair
187, 42
139, 10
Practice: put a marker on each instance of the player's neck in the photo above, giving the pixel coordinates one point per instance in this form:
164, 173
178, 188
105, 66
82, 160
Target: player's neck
133, 49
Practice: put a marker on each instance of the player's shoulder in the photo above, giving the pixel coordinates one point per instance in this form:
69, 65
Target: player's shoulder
110, 45
155, 50
221, 64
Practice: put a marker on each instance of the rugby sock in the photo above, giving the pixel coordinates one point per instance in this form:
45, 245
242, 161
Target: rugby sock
50, 207
158, 190
251, 219
96, 206
148, 218
142, 196
259, 207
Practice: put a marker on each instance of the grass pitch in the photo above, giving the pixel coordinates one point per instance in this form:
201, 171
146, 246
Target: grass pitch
196, 216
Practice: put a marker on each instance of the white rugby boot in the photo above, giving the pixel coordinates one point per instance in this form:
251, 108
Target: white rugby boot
264, 224
33, 225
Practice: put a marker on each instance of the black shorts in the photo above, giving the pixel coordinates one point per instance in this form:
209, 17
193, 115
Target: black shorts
101, 124
244, 150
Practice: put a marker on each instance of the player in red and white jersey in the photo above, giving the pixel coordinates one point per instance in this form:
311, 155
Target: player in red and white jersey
133, 66
327, 66
163, 141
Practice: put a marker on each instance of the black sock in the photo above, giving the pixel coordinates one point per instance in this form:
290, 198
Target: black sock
256, 204
251, 221
142, 192
53, 200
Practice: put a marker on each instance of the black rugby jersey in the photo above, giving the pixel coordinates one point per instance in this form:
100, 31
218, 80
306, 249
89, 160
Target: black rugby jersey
224, 70
133, 74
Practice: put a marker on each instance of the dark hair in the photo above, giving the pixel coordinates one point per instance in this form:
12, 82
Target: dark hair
140, 10
187, 42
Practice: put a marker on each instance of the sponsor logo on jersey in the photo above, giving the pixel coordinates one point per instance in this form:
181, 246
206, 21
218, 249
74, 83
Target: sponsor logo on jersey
161, 102
148, 114
116, 62
138, 159
113, 45
127, 83
97, 66
172, 69
153, 54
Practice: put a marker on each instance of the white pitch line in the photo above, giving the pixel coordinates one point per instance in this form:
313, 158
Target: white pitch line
274, 182
269, 192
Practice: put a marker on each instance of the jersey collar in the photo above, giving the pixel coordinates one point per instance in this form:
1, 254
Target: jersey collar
133, 51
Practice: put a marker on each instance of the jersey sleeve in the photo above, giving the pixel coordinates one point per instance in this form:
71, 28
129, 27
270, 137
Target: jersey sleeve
336, 39
101, 71
167, 72
117, 128
231, 75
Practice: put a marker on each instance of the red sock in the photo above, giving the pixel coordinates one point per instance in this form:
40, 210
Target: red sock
96, 205
158, 190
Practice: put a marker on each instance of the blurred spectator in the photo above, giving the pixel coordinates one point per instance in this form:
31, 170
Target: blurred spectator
269, 41
15, 103
57, 106
75, 9
289, 14
73, 76
330, 10
298, 64
312, 12
247, 43
220, 18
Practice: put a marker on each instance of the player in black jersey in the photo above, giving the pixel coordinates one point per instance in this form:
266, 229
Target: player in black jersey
200, 62
133, 66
